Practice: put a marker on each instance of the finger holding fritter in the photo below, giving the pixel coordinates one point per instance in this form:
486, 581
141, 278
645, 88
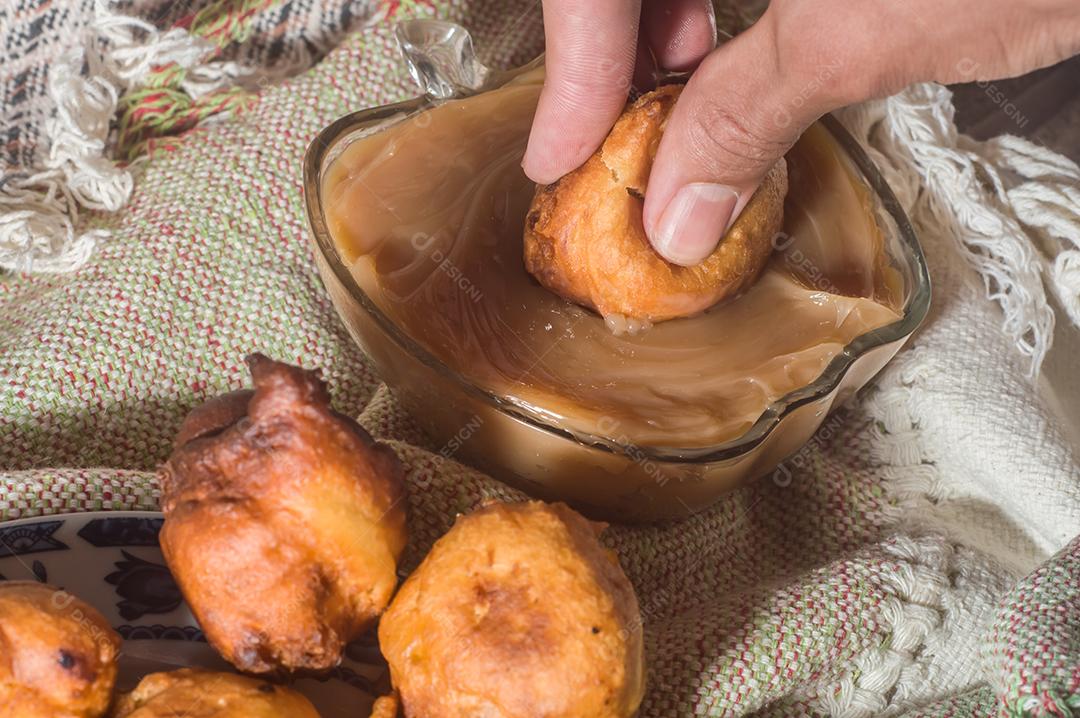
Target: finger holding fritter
585, 240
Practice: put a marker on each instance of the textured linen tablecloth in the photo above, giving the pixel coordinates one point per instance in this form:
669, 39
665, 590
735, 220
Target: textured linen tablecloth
924, 559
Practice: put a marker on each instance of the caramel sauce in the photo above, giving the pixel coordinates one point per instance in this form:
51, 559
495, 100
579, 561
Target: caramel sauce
429, 211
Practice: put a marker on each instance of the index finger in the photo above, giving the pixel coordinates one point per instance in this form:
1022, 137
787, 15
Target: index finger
591, 49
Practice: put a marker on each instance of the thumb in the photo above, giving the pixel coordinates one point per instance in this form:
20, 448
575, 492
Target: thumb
734, 119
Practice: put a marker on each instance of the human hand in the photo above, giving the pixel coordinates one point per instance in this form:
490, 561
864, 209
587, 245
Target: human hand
750, 99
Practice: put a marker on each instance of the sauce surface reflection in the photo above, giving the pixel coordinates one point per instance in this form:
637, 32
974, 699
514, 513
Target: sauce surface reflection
429, 215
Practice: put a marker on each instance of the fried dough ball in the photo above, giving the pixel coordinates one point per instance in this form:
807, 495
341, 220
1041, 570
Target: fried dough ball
284, 521
57, 654
584, 238
205, 694
517, 612
386, 707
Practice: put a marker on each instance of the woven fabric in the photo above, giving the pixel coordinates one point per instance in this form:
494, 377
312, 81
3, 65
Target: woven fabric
284, 38
822, 596
1033, 653
973, 704
31, 32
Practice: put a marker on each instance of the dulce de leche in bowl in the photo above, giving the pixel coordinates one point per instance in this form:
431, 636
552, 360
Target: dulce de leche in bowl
419, 210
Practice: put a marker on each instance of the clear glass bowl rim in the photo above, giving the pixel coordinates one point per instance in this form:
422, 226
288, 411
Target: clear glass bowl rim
914, 311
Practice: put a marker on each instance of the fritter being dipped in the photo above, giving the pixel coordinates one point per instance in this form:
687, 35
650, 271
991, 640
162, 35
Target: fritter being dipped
204, 694
284, 521
517, 612
57, 654
585, 241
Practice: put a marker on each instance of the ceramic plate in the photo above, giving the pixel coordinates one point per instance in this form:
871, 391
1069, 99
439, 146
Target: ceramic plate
112, 561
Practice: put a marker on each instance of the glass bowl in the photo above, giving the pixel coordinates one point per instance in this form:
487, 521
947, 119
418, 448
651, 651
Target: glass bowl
600, 475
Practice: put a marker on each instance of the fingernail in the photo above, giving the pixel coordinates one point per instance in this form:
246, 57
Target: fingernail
538, 172
693, 222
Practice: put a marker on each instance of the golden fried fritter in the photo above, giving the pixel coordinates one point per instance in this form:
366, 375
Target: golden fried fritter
386, 707
57, 654
517, 612
191, 693
284, 521
585, 241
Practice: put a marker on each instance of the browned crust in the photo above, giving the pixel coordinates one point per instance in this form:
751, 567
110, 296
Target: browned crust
518, 611
282, 528
388, 706
195, 692
213, 416
57, 654
584, 238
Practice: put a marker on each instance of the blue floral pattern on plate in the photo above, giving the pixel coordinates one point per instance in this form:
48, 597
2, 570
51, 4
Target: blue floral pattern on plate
112, 561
